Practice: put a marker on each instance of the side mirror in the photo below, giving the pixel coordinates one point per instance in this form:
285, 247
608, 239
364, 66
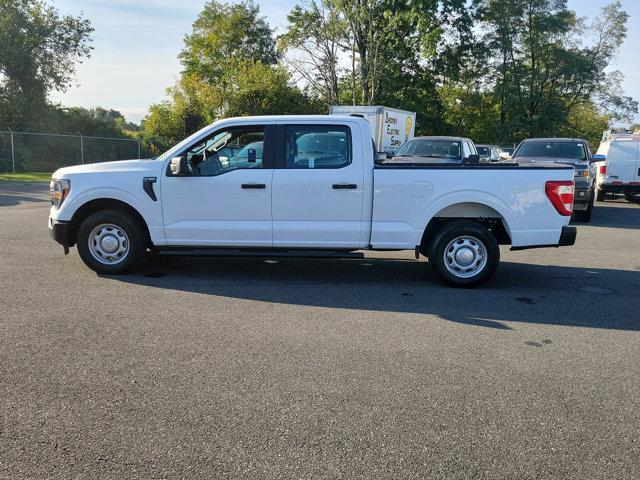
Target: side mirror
179, 166
598, 157
471, 160
252, 155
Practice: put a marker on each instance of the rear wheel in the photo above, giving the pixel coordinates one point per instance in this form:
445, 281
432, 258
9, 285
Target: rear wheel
464, 254
111, 241
600, 195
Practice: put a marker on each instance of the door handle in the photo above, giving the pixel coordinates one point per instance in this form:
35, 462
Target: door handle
254, 185
344, 186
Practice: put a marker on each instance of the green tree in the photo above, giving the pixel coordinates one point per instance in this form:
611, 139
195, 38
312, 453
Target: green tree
226, 32
227, 73
39, 49
546, 66
315, 38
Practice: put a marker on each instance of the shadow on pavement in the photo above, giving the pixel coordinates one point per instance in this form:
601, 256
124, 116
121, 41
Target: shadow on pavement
609, 215
15, 193
569, 296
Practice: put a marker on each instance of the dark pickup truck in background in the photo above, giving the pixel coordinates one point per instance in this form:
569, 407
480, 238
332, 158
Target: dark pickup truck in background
570, 151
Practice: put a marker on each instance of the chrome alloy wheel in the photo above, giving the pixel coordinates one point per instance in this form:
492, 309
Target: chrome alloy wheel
465, 256
109, 244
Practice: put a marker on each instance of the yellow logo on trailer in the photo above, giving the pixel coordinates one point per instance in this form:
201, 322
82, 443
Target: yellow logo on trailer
407, 126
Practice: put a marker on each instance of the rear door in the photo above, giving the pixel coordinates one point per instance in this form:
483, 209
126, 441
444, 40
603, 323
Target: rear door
637, 179
622, 161
318, 186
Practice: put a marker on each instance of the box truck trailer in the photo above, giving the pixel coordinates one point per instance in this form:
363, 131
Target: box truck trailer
390, 127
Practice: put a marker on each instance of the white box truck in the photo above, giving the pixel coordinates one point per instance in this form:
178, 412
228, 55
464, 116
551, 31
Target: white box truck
390, 127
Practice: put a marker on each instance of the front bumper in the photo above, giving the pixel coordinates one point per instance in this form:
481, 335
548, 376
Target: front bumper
582, 198
59, 231
567, 238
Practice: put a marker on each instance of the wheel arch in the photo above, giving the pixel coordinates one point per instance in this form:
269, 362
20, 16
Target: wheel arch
486, 215
99, 204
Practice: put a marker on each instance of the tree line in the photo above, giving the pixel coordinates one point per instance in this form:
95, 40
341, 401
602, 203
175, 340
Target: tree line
496, 71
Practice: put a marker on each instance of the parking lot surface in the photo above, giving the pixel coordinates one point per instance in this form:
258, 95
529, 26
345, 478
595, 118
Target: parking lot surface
300, 368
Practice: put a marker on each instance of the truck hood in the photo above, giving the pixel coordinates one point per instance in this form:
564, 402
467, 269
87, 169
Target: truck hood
142, 166
418, 160
556, 160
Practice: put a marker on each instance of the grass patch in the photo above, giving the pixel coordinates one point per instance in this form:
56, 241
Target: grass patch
26, 176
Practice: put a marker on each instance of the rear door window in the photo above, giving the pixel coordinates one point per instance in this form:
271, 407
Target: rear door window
317, 146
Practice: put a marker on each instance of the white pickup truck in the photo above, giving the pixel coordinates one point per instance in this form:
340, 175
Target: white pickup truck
310, 186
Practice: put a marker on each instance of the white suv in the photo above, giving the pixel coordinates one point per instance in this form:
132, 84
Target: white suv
618, 165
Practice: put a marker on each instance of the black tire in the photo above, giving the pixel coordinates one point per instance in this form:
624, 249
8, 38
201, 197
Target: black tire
125, 223
585, 215
471, 230
599, 195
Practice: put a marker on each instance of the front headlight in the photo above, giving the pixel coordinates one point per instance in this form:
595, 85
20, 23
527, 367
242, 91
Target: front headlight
581, 174
59, 191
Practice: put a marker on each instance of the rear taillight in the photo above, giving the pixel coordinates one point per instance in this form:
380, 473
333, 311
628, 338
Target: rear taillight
560, 194
602, 170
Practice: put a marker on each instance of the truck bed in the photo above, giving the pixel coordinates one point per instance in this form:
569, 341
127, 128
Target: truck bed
407, 196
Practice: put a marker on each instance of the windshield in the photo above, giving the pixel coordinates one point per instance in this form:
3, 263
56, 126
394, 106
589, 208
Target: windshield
184, 143
422, 147
485, 151
570, 150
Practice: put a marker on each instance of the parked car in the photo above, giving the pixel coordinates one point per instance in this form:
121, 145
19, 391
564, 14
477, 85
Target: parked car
569, 151
618, 165
437, 150
489, 153
300, 199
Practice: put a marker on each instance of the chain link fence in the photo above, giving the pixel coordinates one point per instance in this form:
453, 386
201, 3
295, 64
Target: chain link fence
46, 152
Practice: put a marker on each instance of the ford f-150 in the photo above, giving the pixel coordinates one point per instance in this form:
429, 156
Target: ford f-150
309, 186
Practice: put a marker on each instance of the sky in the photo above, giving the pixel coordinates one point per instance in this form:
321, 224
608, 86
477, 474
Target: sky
136, 44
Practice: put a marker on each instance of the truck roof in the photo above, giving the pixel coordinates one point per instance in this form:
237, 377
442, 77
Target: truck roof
374, 109
287, 118
440, 137
552, 139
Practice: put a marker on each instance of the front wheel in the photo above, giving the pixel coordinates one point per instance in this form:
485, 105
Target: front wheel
111, 241
585, 215
599, 195
464, 254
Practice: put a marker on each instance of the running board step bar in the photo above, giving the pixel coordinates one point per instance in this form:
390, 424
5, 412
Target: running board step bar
271, 253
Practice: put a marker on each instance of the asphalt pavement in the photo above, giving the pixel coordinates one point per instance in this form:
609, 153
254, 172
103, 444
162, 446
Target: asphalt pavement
302, 368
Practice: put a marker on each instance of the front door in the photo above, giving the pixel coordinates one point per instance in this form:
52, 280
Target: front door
225, 200
318, 189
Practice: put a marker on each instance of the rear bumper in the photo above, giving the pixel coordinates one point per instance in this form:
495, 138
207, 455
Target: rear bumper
619, 187
567, 238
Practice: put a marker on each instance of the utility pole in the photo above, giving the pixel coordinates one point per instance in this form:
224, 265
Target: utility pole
13, 152
81, 148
